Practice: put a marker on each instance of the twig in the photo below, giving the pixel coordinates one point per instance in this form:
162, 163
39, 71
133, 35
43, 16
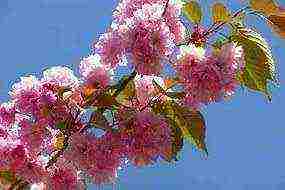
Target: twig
165, 8
218, 27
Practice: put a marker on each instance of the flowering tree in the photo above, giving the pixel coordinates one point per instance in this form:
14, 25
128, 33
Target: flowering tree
48, 128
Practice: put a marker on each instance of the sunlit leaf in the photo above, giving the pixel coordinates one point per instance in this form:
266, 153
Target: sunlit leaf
278, 23
190, 122
59, 141
260, 65
220, 13
266, 7
193, 11
127, 93
176, 139
238, 21
217, 45
105, 100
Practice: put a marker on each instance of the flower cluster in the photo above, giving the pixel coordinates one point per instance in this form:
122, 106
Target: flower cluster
45, 140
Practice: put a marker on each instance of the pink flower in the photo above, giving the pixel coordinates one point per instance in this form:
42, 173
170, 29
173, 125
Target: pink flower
25, 94
64, 178
98, 157
172, 19
22, 166
202, 80
150, 42
7, 114
231, 57
92, 65
100, 77
146, 137
145, 88
107, 153
110, 47
3, 157
31, 172
210, 78
61, 76
127, 8
32, 136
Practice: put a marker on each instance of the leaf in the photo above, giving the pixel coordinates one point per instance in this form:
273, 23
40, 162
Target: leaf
278, 23
59, 141
217, 45
193, 11
238, 21
62, 90
127, 93
220, 13
190, 122
8, 176
176, 95
61, 125
259, 62
170, 82
266, 7
176, 139
105, 100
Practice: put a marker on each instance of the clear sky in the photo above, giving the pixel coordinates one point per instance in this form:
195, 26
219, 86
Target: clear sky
245, 136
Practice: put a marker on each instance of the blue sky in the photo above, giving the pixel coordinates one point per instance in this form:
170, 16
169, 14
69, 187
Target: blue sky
245, 136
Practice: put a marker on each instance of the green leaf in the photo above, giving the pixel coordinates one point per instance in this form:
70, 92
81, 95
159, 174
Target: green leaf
105, 100
238, 21
123, 83
218, 43
8, 176
220, 13
193, 11
176, 139
190, 122
61, 125
176, 95
266, 7
127, 93
259, 62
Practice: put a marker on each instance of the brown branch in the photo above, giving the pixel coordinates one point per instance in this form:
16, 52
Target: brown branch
165, 8
221, 25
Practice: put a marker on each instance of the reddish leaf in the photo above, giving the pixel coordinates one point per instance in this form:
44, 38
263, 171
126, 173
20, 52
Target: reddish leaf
266, 7
278, 23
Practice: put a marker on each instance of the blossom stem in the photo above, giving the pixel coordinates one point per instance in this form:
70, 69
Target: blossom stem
213, 30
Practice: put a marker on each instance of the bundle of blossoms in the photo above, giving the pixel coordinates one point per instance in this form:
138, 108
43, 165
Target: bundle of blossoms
49, 129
